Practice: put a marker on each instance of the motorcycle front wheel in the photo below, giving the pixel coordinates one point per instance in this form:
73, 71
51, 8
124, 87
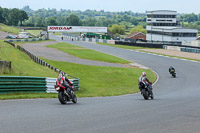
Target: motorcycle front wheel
62, 98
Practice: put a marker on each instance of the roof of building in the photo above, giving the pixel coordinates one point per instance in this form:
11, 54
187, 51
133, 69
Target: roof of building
161, 11
135, 33
198, 38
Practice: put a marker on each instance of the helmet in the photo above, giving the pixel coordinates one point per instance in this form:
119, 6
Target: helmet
61, 73
143, 74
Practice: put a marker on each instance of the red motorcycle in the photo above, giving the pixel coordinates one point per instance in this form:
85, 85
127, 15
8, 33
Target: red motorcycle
65, 94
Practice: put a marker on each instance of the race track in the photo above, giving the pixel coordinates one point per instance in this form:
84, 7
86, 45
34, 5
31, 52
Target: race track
176, 107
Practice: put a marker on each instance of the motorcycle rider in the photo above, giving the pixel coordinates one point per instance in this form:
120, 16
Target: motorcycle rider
64, 81
171, 70
143, 80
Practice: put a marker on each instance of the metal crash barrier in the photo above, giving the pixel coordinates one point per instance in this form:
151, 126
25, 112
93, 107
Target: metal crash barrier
23, 84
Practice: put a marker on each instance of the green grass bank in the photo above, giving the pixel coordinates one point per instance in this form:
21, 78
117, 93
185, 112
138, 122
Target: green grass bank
87, 53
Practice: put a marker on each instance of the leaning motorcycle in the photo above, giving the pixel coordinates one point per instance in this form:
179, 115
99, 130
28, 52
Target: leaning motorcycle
64, 95
173, 73
146, 91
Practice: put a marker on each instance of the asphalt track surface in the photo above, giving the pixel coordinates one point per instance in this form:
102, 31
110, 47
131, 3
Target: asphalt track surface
175, 109
41, 50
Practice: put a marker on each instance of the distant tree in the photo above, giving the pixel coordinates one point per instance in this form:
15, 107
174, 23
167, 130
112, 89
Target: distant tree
52, 21
2, 19
27, 9
73, 20
134, 21
40, 21
138, 28
22, 16
189, 17
126, 24
89, 21
117, 29
14, 17
61, 20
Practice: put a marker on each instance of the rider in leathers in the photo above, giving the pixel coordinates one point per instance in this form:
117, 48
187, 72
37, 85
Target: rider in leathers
143, 80
64, 81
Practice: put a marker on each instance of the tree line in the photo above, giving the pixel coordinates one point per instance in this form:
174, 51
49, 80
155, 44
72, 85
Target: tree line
118, 22
13, 17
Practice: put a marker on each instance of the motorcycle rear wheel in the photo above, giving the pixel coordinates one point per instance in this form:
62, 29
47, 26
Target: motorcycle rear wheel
62, 98
74, 99
152, 96
144, 93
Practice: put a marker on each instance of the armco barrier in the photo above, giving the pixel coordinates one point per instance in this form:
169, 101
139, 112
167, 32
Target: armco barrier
23, 84
12, 84
34, 58
41, 62
26, 40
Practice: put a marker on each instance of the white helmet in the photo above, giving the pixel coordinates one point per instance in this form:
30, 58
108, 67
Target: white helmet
143, 74
61, 73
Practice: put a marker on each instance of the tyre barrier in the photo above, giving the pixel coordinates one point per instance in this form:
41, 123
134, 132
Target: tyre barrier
25, 84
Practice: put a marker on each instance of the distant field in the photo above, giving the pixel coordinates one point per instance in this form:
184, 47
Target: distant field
87, 53
34, 32
9, 29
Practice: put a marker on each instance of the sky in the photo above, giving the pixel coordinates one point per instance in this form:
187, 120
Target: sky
140, 6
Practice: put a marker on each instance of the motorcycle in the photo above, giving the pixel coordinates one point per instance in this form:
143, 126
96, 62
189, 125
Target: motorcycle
173, 73
146, 91
64, 95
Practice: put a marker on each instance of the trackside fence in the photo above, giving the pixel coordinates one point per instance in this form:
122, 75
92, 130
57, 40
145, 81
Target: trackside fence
34, 58
13, 84
21, 82
24, 84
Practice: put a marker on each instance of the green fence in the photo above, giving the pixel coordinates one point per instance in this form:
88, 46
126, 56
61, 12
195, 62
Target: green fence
12, 84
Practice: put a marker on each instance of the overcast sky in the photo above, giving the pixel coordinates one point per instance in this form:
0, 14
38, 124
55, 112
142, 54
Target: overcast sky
141, 6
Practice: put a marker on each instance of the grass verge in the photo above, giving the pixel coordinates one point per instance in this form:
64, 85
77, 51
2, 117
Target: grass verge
94, 80
21, 64
21, 43
87, 53
103, 81
27, 96
9, 29
34, 32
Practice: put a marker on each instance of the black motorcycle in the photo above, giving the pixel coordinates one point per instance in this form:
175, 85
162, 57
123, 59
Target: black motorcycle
173, 74
172, 71
146, 91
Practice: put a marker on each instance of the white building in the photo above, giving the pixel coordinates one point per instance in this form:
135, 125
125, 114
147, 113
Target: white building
162, 25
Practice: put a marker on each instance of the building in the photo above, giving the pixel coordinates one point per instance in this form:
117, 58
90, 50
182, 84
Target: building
137, 36
162, 25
